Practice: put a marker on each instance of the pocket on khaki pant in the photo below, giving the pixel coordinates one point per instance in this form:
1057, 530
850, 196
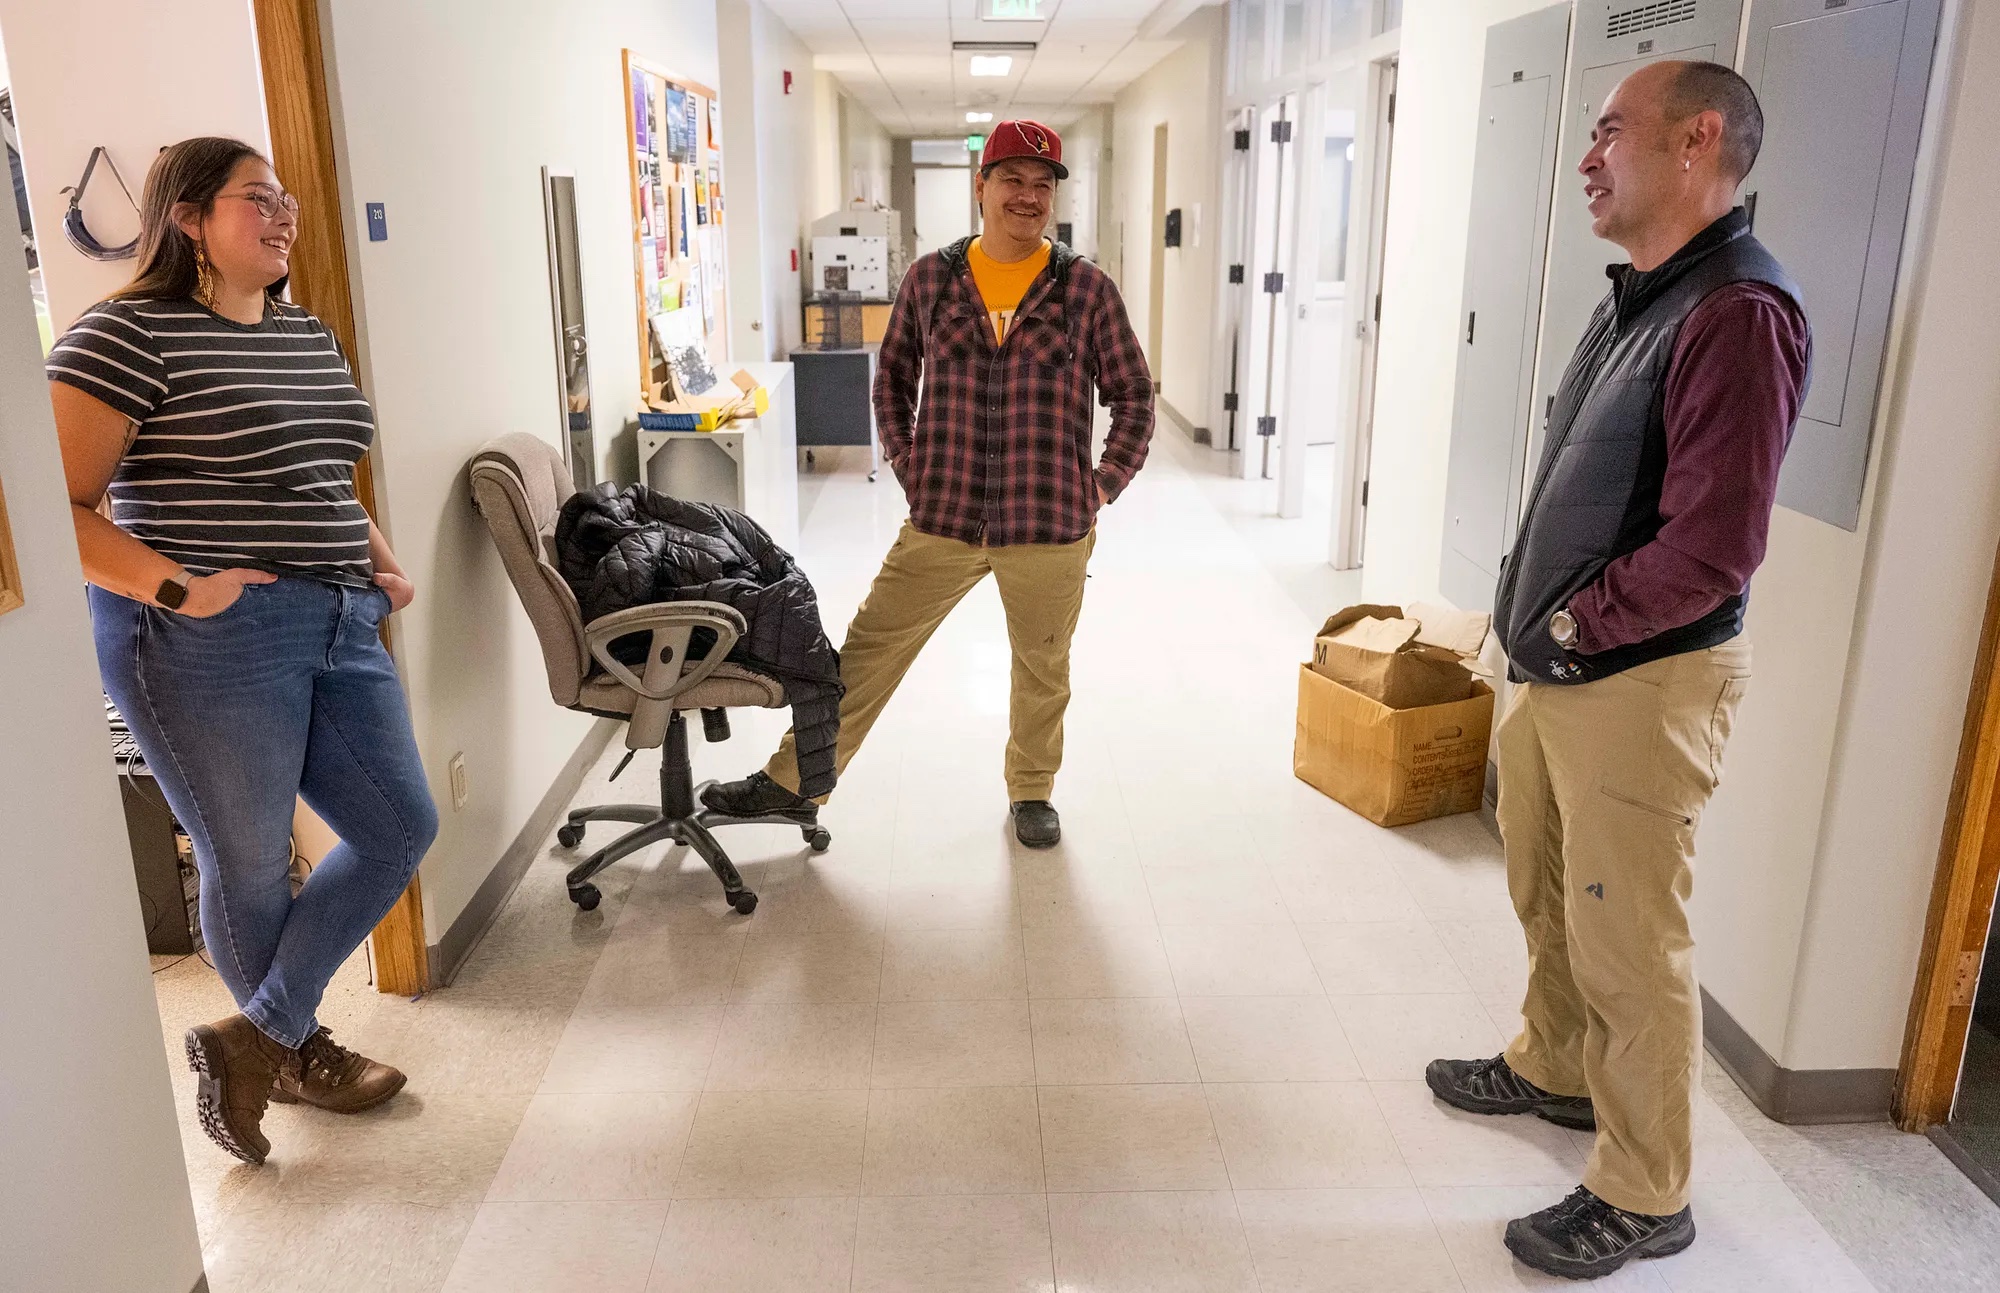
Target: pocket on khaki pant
1722, 722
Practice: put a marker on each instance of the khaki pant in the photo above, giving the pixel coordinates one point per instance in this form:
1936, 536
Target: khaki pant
922, 578
1601, 787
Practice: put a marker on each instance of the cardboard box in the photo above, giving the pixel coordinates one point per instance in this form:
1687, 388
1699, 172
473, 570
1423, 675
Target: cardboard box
1392, 766
742, 398
1428, 657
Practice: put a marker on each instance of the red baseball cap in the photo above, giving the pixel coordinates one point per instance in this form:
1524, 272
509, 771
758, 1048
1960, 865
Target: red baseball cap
1024, 139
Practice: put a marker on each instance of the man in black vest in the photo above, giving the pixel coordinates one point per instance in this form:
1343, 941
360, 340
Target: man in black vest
1621, 611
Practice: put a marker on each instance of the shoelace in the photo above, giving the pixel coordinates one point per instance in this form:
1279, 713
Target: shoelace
1586, 1217
326, 1055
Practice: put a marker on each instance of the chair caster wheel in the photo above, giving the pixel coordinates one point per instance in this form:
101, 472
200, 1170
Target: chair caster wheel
744, 901
818, 839
586, 897
569, 835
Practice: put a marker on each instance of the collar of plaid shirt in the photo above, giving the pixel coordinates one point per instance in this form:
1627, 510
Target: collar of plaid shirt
999, 450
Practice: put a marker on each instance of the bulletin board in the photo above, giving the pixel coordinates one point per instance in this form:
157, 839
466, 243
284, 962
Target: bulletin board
674, 129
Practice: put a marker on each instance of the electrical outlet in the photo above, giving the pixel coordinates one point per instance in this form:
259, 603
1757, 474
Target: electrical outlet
461, 789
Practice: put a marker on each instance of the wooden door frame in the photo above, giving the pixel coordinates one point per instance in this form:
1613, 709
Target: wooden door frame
1961, 901
302, 152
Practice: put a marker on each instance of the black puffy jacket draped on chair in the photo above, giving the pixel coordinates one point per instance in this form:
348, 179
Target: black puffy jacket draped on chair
634, 547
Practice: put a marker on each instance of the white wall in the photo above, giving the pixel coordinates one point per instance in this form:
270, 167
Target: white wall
827, 144
449, 109
93, 1193
1922, 587
1183, 90
867, 154
1816, 856
134, 77
1079, 199
767, 163
1430, 211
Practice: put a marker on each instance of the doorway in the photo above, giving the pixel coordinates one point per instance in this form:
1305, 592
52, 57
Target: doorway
1273, 216
1948, 1083
1156, 294
944, 199
1233, 296
302, 151
1350, 510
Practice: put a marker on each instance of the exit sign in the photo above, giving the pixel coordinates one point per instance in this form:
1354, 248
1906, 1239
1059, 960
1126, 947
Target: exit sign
973, 143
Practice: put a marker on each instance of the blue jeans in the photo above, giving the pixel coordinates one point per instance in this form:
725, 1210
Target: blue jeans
287, 693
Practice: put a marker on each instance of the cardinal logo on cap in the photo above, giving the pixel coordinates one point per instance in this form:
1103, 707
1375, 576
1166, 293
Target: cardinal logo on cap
1038, 140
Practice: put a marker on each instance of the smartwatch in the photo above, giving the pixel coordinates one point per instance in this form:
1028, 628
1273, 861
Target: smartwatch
173, 590
1562, 627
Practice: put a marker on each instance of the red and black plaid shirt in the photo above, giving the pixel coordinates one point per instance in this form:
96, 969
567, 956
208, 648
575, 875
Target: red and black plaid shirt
999, 450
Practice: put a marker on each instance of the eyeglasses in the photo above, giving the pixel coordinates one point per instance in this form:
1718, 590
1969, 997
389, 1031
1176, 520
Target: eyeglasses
269, 202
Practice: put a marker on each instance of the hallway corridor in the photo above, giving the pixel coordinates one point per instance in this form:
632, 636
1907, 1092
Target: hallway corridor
1184, 1052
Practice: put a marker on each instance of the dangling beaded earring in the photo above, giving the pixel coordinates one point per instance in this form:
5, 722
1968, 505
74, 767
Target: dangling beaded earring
204, 278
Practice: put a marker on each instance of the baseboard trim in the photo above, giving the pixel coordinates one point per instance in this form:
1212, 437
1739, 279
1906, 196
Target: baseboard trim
1197, 434
1796, 1096
449, 953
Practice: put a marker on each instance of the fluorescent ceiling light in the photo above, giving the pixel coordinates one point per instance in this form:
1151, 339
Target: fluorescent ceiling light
992, 64
1010, 10
974, 118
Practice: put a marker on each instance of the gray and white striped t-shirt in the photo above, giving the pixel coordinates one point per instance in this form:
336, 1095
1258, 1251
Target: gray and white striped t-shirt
247, 435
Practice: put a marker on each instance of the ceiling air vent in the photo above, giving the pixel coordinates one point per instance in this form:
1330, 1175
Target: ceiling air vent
1646, 17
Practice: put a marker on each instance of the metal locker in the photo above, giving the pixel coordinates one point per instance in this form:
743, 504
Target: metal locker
1614, 38
1842, 83
1513, 171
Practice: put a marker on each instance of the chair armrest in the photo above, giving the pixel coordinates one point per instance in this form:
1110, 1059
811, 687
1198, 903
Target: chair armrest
668, 671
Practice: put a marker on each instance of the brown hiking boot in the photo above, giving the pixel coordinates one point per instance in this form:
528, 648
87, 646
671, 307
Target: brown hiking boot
333, 1078
235, 1066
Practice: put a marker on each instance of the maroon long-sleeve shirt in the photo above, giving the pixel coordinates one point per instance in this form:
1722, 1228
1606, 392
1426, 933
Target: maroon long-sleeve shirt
1732, 396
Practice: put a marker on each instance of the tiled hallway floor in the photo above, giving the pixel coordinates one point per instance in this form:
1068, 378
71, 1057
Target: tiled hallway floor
1182, 1052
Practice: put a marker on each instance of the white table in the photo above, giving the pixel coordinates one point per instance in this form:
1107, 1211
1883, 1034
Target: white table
750, 465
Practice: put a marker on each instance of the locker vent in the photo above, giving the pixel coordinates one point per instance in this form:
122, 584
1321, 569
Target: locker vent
1645, 17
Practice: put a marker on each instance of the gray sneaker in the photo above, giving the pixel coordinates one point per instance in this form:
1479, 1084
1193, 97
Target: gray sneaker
1489, 1086
1585, 1238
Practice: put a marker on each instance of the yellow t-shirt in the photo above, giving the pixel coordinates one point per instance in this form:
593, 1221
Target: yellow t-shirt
1003, 284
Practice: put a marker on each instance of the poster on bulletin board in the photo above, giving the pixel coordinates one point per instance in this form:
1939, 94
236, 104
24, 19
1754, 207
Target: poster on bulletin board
674, 134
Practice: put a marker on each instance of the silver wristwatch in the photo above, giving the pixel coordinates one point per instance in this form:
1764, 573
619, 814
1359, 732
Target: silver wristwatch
1562, 627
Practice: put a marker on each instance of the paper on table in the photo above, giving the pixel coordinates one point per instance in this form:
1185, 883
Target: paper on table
686, 350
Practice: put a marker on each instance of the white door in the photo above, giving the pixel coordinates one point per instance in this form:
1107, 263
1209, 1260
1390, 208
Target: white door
1316, 285
1229, 407
1271, 252
1350, 497
944, 206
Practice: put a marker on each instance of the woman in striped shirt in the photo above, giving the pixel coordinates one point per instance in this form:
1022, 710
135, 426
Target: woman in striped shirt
238, 591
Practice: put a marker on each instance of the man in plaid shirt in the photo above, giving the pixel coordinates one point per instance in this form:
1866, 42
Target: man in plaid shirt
1006, 336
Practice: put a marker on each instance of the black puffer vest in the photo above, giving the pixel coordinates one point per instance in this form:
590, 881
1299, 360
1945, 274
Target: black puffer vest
1596, 495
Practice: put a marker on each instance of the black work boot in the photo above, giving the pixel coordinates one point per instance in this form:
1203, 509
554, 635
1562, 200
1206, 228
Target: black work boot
1036, 823
1489, 1086
1585, 1238
759, 796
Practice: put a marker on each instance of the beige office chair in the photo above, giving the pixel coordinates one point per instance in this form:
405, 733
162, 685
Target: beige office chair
519, 484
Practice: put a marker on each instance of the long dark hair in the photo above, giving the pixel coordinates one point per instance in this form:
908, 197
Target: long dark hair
192, 171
